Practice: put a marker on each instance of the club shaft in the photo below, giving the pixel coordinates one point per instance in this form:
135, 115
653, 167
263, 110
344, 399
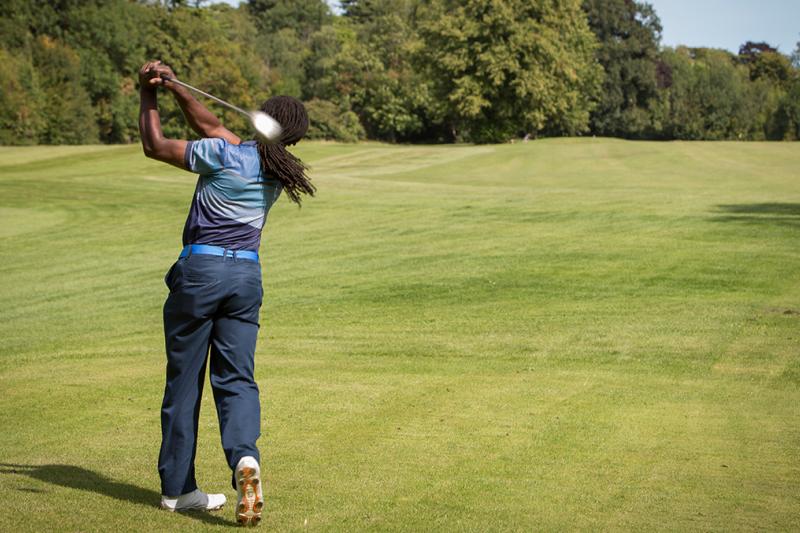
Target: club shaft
211, 96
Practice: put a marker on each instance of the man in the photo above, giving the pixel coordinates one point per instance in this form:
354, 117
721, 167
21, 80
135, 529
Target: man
215, 286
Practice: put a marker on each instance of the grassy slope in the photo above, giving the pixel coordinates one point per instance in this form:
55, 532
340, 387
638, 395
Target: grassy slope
563, 334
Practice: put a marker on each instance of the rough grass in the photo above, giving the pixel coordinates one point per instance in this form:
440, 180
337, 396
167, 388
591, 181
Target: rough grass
564, 334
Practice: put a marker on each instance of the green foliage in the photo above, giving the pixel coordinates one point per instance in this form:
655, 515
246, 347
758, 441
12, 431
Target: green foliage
201, 46
303, 16
286, 30
787, 115
322, 65
329, 121
66, 108
511, 67
765, 62
357, 8
709, 97
714, 95
21, 100
284, 55
409, 70
772, 66
375, 73
629, 33
109, 77
96, 49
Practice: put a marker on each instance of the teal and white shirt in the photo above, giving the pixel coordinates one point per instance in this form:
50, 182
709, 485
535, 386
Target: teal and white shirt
232, 198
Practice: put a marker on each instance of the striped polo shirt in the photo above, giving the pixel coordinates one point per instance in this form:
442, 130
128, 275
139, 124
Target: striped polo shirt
232, 197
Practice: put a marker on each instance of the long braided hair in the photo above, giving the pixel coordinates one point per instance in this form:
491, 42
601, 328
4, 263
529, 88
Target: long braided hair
276, 160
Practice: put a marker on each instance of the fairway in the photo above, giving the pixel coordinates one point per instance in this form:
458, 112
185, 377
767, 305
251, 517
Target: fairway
565, 334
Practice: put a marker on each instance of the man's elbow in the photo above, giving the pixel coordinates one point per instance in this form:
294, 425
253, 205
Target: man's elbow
152, 149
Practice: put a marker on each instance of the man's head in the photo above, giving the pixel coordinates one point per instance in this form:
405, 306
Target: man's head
290, 114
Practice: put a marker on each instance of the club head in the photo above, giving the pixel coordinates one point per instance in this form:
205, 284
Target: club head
267, 128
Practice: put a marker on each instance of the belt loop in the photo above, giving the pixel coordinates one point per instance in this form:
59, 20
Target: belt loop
234, 256
189, 253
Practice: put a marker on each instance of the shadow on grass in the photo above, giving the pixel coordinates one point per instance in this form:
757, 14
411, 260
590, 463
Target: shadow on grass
75, 477
781, 214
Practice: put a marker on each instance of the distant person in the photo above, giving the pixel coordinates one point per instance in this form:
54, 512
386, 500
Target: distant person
215, 286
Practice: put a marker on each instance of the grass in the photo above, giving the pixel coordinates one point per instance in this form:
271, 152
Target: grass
576, 334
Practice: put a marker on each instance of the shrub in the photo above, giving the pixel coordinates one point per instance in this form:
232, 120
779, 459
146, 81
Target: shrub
328, 121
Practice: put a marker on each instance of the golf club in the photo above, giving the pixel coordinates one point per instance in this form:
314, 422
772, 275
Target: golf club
267, 128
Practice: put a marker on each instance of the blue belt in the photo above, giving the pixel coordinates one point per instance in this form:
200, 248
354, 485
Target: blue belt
205, 249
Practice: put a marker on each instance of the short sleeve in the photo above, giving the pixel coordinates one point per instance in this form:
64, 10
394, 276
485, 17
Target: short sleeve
206, 155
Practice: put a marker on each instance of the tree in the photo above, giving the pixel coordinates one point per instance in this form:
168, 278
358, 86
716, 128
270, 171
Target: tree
775, 79
66, 106
629, 33
395, 70
329, 121
372, 73
765, 62
286, 28
787, 116
21, 101
788, 113
509, 67
750, 50
202, 46
710, 97
357, 9
303, 16
109, 77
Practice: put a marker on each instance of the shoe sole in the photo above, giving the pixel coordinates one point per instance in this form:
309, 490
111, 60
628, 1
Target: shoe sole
248, 511
190, 509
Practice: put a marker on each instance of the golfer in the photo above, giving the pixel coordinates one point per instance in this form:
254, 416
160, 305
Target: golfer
215, 287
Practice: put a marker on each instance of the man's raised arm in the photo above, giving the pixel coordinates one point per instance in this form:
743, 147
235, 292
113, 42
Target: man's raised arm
155, 145
201, 120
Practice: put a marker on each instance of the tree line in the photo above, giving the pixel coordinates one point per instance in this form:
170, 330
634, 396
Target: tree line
392, 70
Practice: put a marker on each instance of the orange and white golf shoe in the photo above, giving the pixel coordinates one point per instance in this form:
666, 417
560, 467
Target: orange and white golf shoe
250, 499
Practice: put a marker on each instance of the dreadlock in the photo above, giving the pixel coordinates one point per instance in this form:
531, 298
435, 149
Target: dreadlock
276, 160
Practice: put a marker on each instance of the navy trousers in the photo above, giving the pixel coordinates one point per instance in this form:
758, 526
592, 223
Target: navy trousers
213, 305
